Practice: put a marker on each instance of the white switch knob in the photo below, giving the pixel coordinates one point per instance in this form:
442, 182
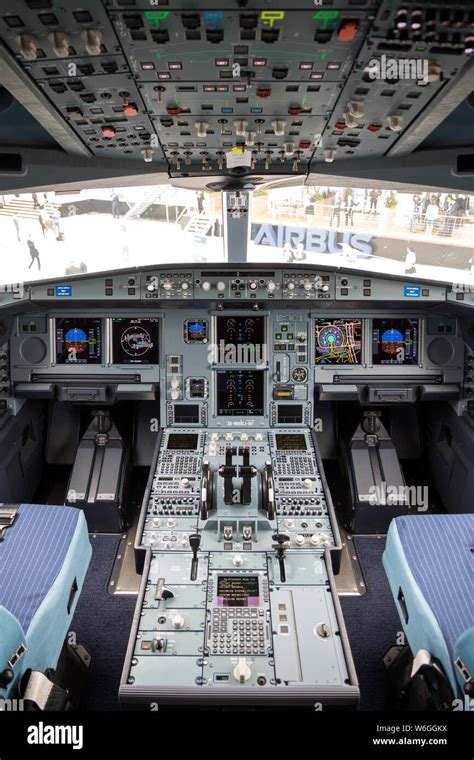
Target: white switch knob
244, 436
184, 483
279, 127
214, 436
299, 540
290, 523
291, 286
220, 286
258, 437
315, 539
174, 382
350, 119
184, 286
156, 522
240, 127
356, 108
395, 122
308, 285
167, 285
178, 621
271, 286
206, 285
171, 523
229, 436
60, 43
238, 560
330, 155
201, 128
308, 483
174, 395
92, 39
27, 45
242, 671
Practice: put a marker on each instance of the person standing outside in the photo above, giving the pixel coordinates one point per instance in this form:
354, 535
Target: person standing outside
374, 199
336, 209
432, 213
41, 220
116, 206
56, 220
16, 222
34, 253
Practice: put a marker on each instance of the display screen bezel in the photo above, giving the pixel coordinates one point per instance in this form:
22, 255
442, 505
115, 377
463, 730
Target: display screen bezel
218, 361
334, 319
54, 341
416, 362
139, 362
225, 368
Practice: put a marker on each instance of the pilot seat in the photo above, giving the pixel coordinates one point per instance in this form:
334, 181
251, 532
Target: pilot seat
429, 563
44, 556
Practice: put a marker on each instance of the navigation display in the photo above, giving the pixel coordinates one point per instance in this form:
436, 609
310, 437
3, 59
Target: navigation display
237, 591
135, 340
239, 393
395, 341
338, 341
78, 340
240, 340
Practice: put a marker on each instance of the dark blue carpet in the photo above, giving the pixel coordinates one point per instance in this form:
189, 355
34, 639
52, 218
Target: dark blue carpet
372, 624
102, 623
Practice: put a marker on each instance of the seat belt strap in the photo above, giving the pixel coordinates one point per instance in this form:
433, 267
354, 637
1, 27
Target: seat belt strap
8, 513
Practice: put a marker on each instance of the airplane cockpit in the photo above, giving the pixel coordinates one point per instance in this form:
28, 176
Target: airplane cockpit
236, 356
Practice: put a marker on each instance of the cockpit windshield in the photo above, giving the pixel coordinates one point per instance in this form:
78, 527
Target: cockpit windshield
58, 234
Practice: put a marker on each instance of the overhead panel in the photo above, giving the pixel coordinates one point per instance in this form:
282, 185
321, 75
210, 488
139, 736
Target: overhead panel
278, 86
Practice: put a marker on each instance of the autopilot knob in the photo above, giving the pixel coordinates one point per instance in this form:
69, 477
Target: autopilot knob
308, 285
206, 285
220, 286
242, 671
271, 286
167, 285
185, 483
238, 560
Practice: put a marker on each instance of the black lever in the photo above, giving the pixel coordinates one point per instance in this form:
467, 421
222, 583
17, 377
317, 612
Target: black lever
280, 547
228, 471
194, 542
247, 472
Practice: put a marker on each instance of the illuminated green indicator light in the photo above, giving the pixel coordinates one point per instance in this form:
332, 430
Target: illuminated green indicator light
326, 17
269, 17
153, 18
421, 49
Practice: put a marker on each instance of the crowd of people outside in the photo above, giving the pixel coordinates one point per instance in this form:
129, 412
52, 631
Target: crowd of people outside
438, 213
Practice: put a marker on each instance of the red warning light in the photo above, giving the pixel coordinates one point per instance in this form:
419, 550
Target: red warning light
348, 30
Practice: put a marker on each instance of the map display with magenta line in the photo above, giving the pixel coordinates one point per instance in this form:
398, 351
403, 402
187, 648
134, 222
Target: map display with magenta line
78, 340
338, 341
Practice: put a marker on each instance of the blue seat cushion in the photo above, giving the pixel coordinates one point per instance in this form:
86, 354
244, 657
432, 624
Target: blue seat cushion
31, 556
430, 559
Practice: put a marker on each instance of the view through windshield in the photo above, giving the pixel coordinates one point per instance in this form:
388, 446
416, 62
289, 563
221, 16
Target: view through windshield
426, 234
